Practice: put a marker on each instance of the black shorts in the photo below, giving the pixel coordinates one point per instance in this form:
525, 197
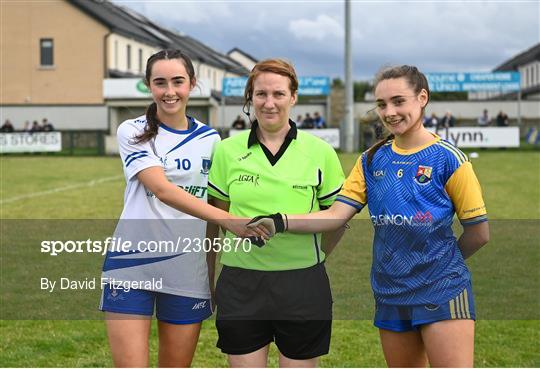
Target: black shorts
292, 308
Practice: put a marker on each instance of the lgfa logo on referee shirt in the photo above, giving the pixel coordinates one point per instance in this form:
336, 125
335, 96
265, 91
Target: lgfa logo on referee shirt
249, 178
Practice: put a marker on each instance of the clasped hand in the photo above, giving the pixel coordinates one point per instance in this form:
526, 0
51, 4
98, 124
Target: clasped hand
271, 224
259, 229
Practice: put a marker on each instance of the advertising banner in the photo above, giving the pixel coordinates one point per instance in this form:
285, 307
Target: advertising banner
480, 137
307, 86
458, 82
30, 142
330, 135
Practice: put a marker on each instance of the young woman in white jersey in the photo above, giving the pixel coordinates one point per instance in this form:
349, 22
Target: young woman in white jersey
166, 157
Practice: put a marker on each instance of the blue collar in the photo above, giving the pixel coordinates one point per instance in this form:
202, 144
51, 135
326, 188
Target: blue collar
191, 127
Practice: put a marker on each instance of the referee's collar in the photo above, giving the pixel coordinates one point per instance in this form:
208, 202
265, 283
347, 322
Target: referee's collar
253, 139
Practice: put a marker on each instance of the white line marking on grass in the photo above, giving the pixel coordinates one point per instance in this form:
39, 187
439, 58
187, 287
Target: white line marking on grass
60, 189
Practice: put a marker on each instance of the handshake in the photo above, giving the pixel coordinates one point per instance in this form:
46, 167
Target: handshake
273, 223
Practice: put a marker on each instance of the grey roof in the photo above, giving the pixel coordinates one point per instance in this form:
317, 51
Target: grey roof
199, 51
243, 53
129, 23
113, 73
117, 20
525, 57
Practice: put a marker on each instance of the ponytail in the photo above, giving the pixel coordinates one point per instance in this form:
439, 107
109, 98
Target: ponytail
152, 125
373, 149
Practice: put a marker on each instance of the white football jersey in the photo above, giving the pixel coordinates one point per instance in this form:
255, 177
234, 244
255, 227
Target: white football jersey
163, 240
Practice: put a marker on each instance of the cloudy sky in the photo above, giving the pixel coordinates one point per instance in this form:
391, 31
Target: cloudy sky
437, 36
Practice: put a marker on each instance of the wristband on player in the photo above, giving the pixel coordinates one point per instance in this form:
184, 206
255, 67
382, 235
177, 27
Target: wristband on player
277, 221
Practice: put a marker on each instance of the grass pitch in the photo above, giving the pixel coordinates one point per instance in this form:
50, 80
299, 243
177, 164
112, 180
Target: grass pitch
505, 272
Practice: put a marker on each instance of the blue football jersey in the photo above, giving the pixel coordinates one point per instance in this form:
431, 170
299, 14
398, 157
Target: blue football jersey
412, 196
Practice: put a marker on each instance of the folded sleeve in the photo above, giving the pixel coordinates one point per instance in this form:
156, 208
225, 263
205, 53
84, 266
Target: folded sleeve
217, 179
135, 156
354, 192
331, 178
465, 192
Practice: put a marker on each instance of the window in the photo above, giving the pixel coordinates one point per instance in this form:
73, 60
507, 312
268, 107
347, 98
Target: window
140, 60
128, 57
46, 52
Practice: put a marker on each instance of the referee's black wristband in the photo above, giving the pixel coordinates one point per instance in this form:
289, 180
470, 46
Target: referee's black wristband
278, 222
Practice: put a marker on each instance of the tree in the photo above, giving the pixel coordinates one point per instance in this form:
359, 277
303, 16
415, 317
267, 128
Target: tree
448, 96
360, 88
337, 82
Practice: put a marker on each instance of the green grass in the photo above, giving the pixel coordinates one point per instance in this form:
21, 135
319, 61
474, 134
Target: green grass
57, 189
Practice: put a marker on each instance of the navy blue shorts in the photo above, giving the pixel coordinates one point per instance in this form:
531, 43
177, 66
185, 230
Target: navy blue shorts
408, 318
169, 308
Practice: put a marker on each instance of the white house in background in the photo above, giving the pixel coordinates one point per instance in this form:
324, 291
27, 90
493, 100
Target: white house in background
527, 63
243, 58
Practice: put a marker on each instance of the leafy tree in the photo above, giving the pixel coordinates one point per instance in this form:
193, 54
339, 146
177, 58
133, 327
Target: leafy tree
337, 83
448, 96
360, 88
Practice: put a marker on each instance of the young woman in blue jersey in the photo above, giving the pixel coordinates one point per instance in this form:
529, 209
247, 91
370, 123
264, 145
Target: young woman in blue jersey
413, 183
166, 157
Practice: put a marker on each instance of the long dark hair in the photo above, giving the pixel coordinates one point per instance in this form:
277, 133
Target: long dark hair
152, 122
415, 79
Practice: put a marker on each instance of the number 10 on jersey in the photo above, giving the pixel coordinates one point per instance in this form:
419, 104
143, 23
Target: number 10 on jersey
183, 164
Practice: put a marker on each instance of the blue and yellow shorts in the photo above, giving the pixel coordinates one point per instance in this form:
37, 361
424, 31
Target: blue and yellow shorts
399, 318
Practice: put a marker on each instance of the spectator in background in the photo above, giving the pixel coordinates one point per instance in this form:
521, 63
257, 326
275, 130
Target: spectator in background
502, 119
483, 120
7, 127
447, 121
299, 120
26, 126
319, 120
239, 123
432, 121
308, 122
46, 125
36, 127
